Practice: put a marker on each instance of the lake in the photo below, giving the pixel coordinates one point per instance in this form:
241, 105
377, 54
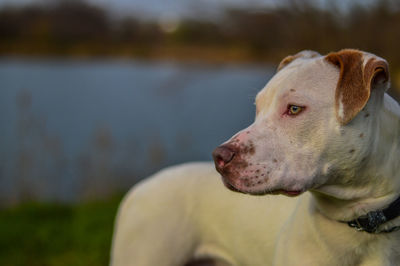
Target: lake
76, 129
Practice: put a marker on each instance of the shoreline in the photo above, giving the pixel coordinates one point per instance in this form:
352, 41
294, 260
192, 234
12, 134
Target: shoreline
203, 54
197, 55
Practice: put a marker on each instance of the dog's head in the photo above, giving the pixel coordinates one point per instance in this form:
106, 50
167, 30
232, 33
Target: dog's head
314, 122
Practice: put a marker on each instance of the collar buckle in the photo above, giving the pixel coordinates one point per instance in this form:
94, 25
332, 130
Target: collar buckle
369, 222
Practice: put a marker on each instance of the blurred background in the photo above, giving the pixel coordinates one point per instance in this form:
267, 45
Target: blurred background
96, 95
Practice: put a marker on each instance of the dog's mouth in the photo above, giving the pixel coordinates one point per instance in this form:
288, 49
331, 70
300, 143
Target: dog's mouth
289, 193
230, 186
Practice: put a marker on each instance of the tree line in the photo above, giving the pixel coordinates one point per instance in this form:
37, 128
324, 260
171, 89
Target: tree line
81, 28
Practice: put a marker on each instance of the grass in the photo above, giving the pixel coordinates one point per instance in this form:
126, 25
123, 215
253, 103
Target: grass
55, 234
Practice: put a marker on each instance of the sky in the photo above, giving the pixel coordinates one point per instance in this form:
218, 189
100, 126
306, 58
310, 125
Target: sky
178, 8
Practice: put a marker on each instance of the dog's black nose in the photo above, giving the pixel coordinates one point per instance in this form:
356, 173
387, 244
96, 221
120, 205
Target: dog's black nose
222, 156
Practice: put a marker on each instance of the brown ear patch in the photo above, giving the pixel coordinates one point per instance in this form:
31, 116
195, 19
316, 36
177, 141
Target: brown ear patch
376, 71
288, 59
355, 81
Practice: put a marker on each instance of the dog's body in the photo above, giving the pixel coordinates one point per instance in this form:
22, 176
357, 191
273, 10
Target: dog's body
324, 125
194, 215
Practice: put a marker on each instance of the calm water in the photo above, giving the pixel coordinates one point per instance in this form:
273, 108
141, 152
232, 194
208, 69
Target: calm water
75, 129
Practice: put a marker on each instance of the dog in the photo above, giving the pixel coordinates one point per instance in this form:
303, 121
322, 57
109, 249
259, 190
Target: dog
323, 157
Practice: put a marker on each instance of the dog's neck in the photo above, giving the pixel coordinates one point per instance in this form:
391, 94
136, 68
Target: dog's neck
345, 203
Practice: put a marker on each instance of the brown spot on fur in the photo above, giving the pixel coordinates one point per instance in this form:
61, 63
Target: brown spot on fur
289, 59
241, 164
252, 150
355, 81
286, 61
248, 149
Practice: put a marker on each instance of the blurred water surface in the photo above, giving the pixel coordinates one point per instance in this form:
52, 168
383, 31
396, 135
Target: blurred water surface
76, 129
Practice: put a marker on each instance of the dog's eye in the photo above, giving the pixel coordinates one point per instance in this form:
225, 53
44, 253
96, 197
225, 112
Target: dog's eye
294, 109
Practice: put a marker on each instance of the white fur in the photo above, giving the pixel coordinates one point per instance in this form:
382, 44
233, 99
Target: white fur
341, 107
185, 212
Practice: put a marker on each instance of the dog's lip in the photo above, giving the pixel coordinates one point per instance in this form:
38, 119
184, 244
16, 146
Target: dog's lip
230, 186
289, 193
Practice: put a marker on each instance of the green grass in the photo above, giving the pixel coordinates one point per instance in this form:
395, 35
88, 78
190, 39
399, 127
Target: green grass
55, 234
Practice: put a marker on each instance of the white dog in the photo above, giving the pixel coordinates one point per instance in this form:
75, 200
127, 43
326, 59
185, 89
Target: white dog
326, 132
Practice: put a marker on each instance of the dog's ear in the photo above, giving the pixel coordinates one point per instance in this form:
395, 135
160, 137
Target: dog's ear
303, 54
359, 73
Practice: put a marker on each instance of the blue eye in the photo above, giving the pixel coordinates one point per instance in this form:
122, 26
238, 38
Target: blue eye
294, 109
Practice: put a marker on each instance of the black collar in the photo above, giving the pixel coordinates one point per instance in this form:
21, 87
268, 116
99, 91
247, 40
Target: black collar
372, 220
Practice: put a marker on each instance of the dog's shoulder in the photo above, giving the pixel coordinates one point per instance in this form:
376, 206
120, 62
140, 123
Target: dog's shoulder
178, 177
175, 184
